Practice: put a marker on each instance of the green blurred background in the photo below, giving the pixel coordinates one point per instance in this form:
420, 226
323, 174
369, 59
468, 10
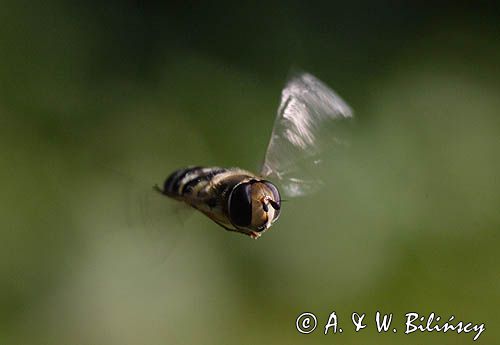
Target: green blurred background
100, 100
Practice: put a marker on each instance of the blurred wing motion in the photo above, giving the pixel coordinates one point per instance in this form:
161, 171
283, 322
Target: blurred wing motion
301, 133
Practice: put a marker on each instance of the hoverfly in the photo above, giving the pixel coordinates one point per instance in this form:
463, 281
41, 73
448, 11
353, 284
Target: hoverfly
241, 201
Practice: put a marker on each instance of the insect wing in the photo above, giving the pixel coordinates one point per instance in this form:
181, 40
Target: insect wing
301, 134
110, 195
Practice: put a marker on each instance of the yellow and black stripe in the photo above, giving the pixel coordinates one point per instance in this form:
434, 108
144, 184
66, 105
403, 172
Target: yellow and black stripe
184, 181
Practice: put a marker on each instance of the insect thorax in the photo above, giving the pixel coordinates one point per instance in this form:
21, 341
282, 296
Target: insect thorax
206, 189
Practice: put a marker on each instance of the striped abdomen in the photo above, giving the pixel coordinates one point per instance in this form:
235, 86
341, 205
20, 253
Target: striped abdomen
184, 182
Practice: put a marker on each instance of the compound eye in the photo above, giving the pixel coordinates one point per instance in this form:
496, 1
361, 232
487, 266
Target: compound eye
240, 205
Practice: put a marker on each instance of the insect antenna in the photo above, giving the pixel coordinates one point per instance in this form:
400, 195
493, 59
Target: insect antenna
275, 205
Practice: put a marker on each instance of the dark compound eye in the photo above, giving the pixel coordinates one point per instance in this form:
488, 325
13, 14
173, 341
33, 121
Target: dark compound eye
240, 205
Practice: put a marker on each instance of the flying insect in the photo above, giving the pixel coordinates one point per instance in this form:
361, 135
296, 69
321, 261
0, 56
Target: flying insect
244, 202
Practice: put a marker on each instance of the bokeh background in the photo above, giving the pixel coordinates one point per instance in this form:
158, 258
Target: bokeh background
100, 100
